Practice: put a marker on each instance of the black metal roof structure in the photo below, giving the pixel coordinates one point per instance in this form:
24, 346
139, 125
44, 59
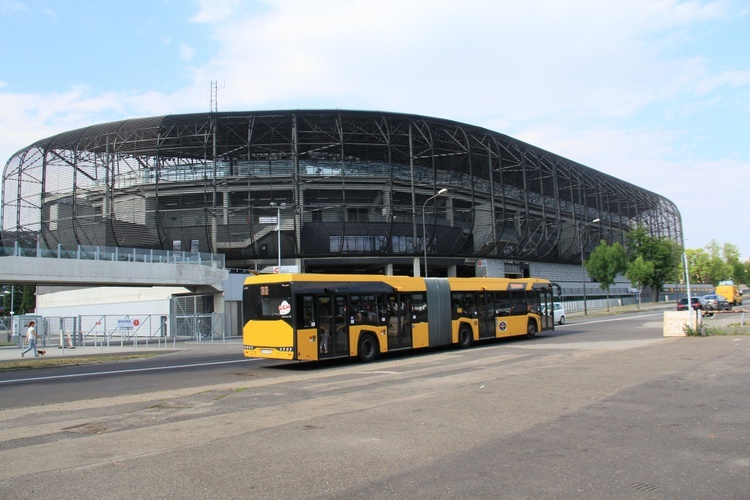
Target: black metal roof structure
355, 185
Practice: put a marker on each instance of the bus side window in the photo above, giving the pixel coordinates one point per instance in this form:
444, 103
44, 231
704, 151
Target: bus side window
472, 305
535, 302
306, 311
384, 312
370, 309
355, 314
419, 308
519, 306
502, 304
456, 309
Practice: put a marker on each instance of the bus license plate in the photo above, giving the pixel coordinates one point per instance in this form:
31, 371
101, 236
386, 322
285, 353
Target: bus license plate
266, 351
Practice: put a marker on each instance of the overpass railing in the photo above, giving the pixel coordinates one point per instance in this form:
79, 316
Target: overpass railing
117, 254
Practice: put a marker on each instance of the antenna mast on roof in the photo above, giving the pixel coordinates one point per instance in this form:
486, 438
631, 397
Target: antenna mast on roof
214, 96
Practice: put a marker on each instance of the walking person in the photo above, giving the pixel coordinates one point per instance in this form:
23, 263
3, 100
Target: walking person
31, 337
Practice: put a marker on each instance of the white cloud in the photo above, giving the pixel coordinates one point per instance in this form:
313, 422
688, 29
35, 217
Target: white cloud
186, 52
216, 11
51, 14
726, 78
10, 6
417, 56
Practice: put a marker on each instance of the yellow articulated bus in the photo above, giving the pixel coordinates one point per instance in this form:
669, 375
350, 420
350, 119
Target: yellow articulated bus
310, 317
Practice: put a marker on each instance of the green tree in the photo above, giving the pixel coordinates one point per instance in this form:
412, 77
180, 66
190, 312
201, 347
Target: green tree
698, 265
735, 266
714, 263
28, 300
663, 253
605, 263
746, 273
638, 273
717, 269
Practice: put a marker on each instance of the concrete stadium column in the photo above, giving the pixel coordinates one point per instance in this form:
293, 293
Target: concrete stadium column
417, 269
389, 269
452, 271
219, 306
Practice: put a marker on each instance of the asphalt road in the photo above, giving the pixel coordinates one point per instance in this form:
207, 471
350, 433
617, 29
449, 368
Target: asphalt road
600, 409
168, 371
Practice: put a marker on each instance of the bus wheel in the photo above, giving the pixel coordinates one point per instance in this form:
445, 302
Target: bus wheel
464, 337
368, 348
531, 330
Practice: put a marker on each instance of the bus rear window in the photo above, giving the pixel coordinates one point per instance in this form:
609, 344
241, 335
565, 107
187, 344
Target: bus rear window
268, 302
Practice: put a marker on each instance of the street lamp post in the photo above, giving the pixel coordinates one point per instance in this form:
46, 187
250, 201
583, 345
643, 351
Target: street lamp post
687, 283
424, 227
278, 207
583, 267
12, 293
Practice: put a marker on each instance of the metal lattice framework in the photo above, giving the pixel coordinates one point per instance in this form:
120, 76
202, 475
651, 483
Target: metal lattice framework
354, 185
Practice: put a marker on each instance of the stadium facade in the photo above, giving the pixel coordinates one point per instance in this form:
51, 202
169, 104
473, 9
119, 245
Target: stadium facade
326, 190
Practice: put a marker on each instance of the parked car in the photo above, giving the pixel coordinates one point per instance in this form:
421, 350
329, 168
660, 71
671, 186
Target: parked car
558, 313
718, 302
697, 303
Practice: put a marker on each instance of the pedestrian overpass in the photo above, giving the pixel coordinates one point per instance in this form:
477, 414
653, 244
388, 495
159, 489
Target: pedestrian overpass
112, 266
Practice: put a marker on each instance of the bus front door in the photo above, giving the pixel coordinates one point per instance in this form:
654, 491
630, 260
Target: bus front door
486, 305
333, 333
546, 306
399, 322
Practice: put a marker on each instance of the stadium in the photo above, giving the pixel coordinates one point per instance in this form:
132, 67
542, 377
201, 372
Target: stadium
321, 190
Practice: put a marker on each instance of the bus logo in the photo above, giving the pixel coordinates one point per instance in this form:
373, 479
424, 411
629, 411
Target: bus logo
285, 308
502, 326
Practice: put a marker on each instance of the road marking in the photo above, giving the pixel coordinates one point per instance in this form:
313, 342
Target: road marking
117, 372
608, 320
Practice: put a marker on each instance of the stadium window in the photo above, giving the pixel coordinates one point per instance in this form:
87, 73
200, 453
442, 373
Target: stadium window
358, 214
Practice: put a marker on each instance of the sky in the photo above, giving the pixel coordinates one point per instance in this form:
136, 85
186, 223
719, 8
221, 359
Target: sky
654, 92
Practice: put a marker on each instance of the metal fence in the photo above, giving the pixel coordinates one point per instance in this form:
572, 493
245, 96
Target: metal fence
597, 303
107, 330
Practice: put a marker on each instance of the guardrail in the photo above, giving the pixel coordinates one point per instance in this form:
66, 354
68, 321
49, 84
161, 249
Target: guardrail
116, 254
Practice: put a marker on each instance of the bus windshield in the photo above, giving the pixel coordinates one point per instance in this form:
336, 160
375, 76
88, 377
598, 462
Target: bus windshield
272, 301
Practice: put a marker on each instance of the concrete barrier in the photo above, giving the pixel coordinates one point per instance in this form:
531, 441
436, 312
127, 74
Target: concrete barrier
676, 322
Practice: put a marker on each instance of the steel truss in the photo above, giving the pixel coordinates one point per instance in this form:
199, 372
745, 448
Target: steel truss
353, 184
